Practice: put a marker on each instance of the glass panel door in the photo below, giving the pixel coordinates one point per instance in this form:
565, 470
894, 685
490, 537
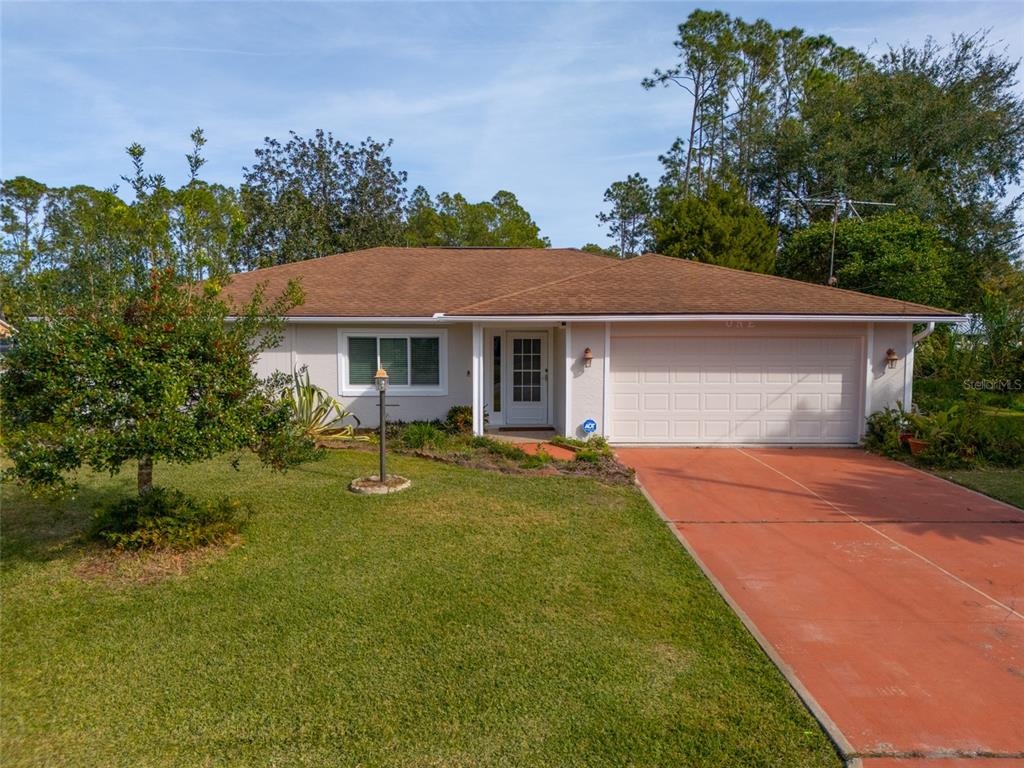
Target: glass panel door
528, 379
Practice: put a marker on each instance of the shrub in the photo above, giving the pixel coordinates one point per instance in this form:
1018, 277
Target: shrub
595, 445
534, 460
501, 448
883, 431
315, 413
460, 419
423, 434
164, 518
589, 455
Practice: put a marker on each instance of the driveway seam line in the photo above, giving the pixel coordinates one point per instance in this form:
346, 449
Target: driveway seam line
846, 750
887, 537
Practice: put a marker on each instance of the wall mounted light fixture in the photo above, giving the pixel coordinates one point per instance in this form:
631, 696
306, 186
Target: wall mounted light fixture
588, 357
891, 357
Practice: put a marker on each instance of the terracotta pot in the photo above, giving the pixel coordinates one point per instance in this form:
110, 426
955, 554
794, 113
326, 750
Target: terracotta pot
917, 445
905, 437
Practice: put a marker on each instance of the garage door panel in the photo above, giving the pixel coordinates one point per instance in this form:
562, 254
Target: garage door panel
626, 401
747, 430
686, 401
656, 401
735, 389
716, 429
747, 401
748, 374
688, 429
716, 401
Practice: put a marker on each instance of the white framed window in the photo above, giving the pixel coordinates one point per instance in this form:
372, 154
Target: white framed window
416, 361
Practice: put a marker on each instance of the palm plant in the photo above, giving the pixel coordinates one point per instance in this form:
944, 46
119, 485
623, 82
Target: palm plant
316, 413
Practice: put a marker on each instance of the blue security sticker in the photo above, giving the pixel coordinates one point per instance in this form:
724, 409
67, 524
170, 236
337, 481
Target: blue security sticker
589, 426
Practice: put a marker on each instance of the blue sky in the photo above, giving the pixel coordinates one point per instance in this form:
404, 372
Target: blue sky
542, 99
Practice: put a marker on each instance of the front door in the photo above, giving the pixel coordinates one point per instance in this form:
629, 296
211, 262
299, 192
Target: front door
527, 388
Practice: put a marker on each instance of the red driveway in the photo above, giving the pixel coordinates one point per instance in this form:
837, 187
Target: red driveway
892, 599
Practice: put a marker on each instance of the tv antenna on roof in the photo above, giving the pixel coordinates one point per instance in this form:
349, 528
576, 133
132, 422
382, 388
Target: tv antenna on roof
839, 203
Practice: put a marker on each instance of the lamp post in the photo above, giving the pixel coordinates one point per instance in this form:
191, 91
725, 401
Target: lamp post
380, 380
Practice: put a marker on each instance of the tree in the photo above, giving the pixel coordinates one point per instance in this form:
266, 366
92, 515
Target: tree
451, 220
152, 374
717, 227
64, 244
895, 255
598, 250
627, 220
934, 129
311, 197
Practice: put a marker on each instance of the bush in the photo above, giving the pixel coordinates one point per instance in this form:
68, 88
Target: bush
423, 434
963, 435
501, 448
595, 445
164, 518
460, 419
884, 429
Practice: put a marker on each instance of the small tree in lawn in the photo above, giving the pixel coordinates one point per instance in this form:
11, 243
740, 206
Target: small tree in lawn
154, 374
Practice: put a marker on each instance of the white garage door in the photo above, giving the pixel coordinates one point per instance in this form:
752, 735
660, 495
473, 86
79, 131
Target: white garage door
735, 389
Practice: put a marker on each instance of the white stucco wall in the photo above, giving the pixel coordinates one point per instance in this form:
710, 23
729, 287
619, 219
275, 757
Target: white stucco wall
558, 377
315, 345
587, 384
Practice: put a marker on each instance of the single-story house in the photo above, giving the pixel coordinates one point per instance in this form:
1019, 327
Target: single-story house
647, 350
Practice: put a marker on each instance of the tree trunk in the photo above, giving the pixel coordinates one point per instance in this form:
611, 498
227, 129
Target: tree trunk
145, 474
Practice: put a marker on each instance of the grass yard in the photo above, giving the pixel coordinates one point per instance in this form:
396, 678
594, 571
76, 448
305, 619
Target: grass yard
1004, 484
477, 619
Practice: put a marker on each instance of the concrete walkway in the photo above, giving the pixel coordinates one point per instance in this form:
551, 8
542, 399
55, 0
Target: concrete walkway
893, 600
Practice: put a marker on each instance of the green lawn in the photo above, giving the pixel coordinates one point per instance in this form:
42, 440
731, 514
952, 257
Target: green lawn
477, 619
1004, 484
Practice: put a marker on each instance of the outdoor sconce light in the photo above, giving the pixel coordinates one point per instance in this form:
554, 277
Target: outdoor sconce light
588, 357
380, 380
891, 357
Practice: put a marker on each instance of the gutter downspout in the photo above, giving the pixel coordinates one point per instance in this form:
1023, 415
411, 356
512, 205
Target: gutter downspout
908, 365
928, 329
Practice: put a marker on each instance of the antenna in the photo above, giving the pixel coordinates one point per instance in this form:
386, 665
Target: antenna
839, 202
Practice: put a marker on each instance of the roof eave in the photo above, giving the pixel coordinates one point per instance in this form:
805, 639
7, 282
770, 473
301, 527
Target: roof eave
693, 317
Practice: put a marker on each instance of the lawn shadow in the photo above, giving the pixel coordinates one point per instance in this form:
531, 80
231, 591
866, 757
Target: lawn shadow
38, 530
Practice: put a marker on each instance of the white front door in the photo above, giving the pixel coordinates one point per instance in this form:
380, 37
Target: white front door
526, 391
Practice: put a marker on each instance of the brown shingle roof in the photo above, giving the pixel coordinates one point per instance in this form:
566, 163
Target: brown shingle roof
660, 285
412, 282
421, 282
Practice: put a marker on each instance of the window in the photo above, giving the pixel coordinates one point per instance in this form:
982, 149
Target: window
413, 362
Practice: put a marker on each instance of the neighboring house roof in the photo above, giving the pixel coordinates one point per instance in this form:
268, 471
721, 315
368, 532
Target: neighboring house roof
516, 282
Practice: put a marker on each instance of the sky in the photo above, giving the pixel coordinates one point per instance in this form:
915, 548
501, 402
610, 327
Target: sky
542, 99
